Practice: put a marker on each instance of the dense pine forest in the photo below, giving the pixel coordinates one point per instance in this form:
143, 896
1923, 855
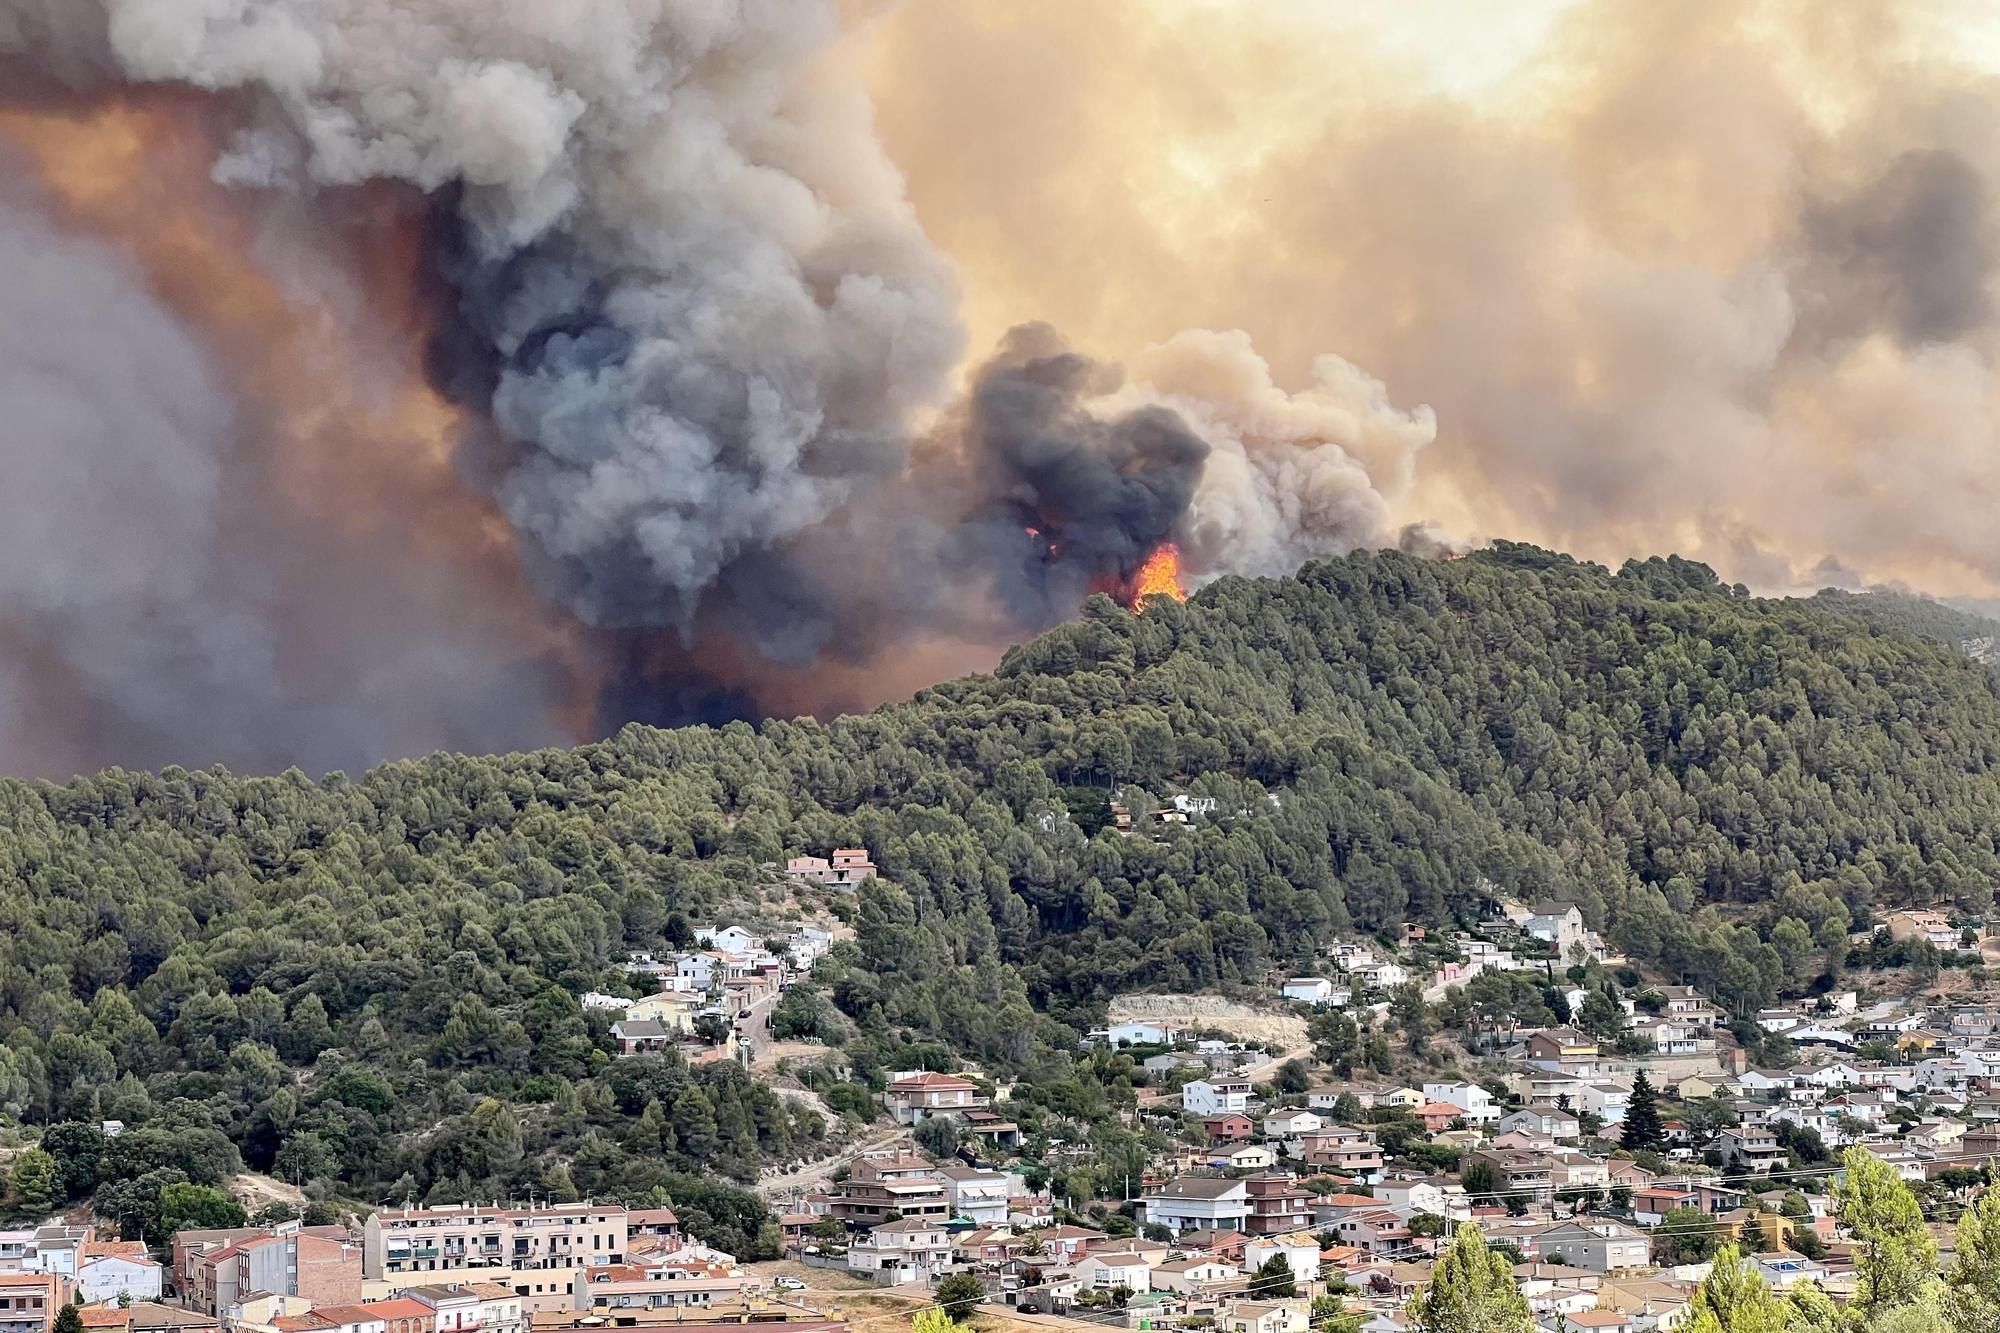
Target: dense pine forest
370, 983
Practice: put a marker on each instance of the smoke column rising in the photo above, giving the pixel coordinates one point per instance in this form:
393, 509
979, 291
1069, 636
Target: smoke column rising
696, 352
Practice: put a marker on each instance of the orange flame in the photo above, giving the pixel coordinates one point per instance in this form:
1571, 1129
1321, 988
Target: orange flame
1160, 576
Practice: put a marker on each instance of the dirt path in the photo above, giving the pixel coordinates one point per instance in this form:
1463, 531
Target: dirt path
804, 1179
1247, 1022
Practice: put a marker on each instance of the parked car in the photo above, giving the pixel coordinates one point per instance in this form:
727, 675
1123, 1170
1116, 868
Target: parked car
790, 1284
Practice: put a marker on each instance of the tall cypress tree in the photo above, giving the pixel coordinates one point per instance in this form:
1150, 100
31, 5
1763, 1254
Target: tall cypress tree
1643, 1132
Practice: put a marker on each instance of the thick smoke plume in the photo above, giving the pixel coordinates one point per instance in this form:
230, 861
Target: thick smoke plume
1712, 277
695, 351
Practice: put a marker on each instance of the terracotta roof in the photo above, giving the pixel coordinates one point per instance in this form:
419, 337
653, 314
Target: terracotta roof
398, 1307
105, 1316
930, 1082
117, 1249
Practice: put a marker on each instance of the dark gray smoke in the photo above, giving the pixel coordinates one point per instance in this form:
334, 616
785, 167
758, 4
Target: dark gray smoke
1909, 254
708, 354
160, 601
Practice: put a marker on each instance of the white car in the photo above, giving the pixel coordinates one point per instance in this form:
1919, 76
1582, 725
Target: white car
790, 1284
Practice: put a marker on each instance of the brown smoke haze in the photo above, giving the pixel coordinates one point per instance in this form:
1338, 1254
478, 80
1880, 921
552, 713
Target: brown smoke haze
381, 377
1704, 277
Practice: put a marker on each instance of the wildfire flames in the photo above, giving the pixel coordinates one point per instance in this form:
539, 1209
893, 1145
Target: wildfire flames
1158, 576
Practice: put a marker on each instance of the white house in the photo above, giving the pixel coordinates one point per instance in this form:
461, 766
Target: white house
1285, 1124
1143, 1034
1107, 1272
1188, 1277
1475, 1101
1312, 990
979, 1195
1216, 1096
1607, 1101
1382, 974
114, 1268
901, 1251
730, 939
1300, 1250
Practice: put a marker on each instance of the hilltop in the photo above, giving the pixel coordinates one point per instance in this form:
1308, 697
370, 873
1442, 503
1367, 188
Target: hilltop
389, 963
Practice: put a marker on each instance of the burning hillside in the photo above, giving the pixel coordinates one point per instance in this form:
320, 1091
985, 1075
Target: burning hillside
536, 369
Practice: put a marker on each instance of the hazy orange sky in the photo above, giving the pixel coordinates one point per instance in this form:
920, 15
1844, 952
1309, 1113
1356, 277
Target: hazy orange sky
1710, 277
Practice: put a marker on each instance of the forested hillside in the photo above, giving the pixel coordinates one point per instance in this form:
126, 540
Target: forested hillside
370, 982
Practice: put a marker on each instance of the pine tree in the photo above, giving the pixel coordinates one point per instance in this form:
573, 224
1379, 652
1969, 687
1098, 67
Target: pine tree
36, 1183
1472, 1290
69, 1320
1734, 1298
1895, 1258
1972, 1287
1643, 1131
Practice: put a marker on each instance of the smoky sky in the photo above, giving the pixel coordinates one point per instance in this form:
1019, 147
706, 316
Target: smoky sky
707, 292
1714, 278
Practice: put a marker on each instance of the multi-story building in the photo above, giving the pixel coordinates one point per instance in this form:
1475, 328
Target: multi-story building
1341, 1149
1475, 1104
1216, 1096
979, 1196
901, 1251
537, 1250
887, 1182
1754, 1150
29, 1301
216, 1270
1191, 1203
1276, 1205
914, 1096
681, 1282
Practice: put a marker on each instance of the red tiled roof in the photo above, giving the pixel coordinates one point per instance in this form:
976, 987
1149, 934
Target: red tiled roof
398, 1307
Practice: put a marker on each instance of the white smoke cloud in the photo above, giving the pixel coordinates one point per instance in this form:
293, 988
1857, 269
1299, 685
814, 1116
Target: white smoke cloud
1290, 476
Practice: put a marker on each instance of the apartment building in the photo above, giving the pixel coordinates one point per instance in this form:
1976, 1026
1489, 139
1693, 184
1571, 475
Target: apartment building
539, 1251
29, 1301
216, 1270
686, 1282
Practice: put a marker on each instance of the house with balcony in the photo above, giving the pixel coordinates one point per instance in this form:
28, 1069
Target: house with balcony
1601, 1245
1475, 1104
889, 1181
977, 1195
907, 1251
1689, 1004
1195, 1203
1216, 1096
1523, 1175
1276, 1204
915, 1096
1342, 1150
1751, 1148
1562, 1048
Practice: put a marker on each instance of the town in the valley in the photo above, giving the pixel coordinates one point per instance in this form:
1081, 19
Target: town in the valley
1290, 1159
